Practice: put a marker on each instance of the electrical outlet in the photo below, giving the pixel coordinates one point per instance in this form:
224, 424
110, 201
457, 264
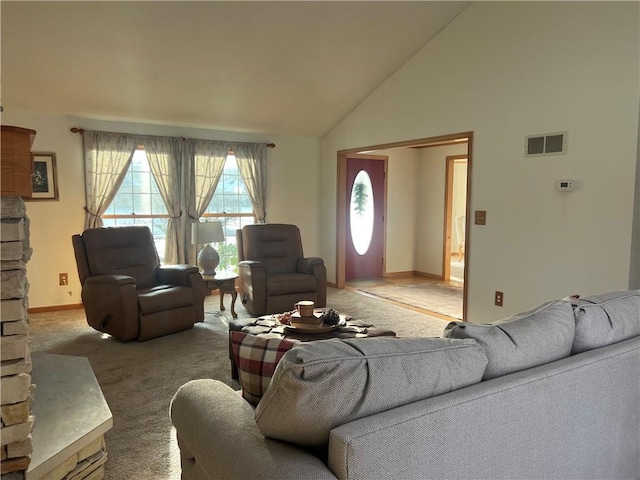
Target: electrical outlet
63, 279
481, 217
499, 298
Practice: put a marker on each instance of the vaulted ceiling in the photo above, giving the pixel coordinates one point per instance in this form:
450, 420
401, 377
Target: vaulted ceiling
292, 67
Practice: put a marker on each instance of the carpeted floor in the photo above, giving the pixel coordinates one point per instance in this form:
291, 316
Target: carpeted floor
138, 380
436, 297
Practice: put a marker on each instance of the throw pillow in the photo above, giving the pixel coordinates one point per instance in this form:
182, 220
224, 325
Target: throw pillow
323, 384
606, 318
522, 341
256, 359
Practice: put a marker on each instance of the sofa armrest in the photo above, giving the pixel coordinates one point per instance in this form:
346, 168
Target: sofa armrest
175, 274
218, 438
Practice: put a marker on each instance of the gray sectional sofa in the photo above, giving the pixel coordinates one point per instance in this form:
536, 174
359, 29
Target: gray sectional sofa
550, 393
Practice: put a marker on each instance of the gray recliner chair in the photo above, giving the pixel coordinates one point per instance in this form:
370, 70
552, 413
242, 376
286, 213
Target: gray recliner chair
127, 293
274, 274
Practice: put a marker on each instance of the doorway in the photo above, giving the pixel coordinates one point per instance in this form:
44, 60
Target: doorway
440, 272
455, 220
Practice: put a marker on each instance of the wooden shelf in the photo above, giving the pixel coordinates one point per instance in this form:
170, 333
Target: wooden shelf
17, 165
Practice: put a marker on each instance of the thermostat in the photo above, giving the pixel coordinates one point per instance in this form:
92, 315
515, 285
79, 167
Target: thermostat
565, 185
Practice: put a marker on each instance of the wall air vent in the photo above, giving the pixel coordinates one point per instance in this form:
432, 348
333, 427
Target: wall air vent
545, 144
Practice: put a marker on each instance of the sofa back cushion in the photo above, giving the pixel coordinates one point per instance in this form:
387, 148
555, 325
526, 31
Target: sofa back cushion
122, 251
256, 359
320, 385
522, 341
606, 318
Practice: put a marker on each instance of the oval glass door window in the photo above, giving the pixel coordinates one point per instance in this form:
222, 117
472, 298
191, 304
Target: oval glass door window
361, 212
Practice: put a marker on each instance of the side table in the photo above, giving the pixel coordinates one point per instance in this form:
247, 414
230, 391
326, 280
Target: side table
224, 282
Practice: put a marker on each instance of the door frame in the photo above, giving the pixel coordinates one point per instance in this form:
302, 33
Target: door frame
342, 209
341, 198
448, 214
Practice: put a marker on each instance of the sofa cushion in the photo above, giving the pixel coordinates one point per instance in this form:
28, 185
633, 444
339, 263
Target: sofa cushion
522, 341
606, 318
256, 359
323, 384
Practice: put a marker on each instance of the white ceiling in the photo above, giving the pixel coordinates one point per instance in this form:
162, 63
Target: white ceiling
292, 67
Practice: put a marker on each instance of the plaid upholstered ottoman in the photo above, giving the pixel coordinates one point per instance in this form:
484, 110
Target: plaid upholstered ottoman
269, 327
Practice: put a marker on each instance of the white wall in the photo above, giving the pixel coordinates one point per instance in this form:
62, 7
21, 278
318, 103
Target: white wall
289, 200
401, 208
634, 275
432, 179
505, 70
52, 223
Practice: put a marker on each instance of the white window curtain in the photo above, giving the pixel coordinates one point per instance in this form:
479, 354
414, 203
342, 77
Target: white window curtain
164, 155
252, 164
187, 172
204, 162
107, 157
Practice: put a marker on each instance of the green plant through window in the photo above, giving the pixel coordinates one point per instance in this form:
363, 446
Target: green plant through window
361, 212
360, 197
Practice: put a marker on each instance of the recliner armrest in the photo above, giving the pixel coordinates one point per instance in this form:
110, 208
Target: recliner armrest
175, 274
109, 280
111, 305
253, 286
251, 264
253, 272
315, 266
305, 265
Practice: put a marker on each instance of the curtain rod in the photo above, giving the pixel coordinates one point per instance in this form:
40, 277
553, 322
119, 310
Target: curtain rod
81, 132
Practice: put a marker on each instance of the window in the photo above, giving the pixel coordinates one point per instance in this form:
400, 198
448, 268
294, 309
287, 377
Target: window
361, 212
231, 205
138, 202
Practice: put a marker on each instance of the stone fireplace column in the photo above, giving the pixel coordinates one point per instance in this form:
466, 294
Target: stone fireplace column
16, 387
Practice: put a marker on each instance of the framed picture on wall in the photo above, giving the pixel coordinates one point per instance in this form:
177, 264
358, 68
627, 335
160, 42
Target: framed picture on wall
44, 180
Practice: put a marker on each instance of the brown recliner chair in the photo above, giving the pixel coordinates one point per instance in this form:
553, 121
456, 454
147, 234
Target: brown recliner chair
127, 293
274, 274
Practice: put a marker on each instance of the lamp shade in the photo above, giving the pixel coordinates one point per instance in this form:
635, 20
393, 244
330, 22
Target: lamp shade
207, 232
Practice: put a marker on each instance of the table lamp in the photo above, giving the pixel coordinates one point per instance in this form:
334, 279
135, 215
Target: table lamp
206, 233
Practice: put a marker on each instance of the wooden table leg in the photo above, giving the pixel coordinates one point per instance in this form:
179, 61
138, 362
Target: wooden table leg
234, 295
231, 290
221, 291
223, 285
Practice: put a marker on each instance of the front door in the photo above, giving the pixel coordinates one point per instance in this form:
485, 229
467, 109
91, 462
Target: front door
365, 205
